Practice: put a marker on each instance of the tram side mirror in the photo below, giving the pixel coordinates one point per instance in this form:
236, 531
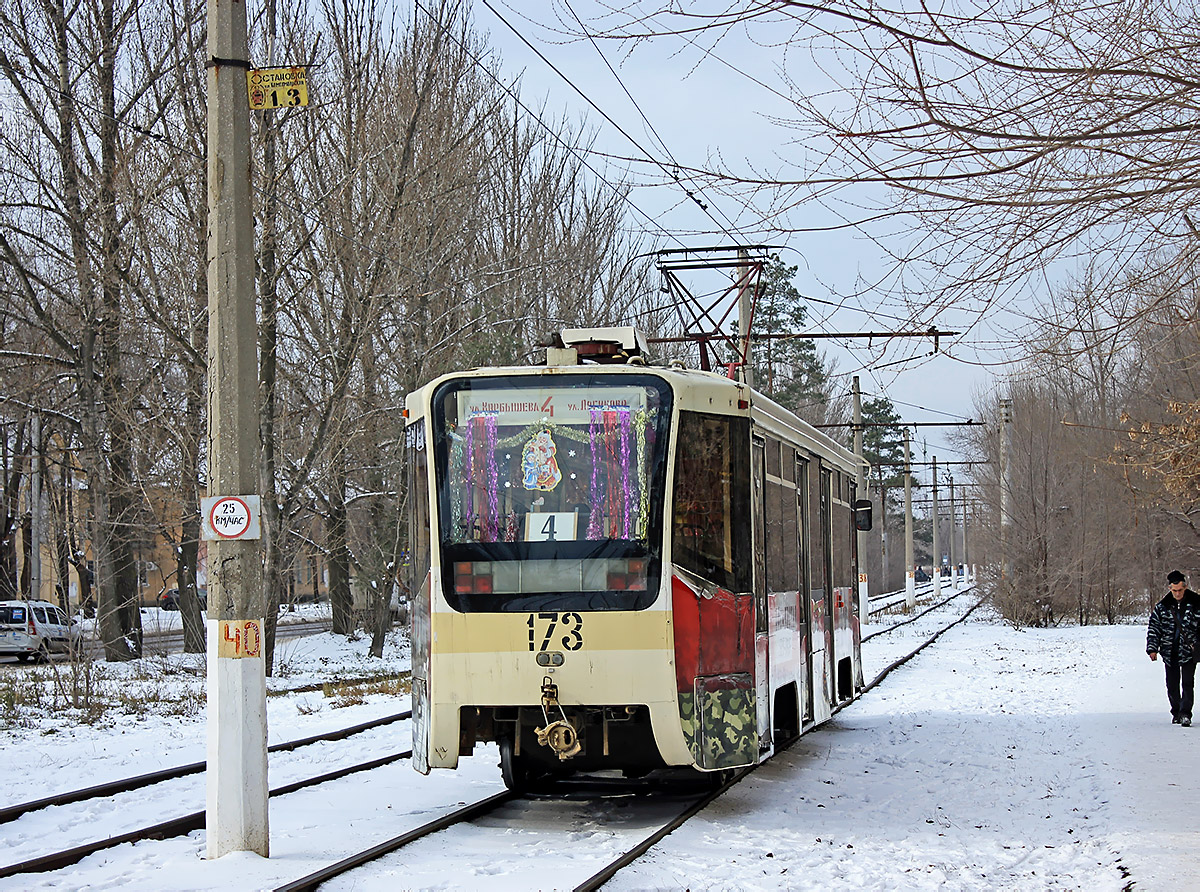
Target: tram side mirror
862, 515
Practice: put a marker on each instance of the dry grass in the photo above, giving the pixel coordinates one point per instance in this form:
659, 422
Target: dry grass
352, 693
95, 692
92, 692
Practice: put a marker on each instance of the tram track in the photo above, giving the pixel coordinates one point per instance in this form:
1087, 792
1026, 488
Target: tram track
897, 663
467, 814
184, 824
890, 600
630, 854
490, 806
916, 616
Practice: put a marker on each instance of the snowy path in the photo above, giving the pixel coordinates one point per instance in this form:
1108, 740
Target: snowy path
996, 759
1034, 759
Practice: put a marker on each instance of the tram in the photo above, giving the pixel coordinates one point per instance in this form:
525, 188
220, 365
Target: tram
623, 566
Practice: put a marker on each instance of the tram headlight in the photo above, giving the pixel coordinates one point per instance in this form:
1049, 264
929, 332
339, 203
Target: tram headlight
473, 577
627, 575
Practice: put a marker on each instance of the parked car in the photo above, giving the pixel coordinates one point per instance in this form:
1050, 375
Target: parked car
36, 629
169, 599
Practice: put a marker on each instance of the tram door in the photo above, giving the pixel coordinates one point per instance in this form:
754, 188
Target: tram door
761, 619
805, 586
825, 558
819, 561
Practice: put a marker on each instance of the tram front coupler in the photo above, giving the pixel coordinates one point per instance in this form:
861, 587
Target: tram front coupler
560, 735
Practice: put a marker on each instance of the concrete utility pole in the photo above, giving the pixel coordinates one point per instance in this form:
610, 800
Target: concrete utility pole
861, 494
1005, 444
884, 550
910, 582
937, 547
966, 560
236, 815
953, 550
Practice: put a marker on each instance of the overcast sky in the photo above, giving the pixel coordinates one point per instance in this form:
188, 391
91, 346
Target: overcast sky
691, 103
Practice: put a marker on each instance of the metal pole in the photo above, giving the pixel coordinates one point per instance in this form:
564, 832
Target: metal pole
885, 576
1005, 443
237, 789
910, 582
966, 557
35, 512
745, 307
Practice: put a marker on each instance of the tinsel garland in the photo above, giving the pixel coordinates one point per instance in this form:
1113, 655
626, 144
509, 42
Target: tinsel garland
457, 474
640, 419
469, 482
595, 524
609, 432
482, 476
627, 481
627, 501
611, 459
491, 523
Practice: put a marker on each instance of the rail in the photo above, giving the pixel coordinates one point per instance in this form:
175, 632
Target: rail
691, 808
185, 824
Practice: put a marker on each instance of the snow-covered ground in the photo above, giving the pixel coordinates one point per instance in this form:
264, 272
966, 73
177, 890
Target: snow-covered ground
1033, 759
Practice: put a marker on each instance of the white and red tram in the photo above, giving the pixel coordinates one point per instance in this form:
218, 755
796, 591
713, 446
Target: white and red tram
623, 566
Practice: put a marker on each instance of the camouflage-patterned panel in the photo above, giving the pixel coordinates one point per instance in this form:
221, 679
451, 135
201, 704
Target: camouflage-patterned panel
687, 719
725, 735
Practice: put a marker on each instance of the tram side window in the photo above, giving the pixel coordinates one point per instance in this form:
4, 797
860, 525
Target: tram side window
712, 494
783, 543
843, 518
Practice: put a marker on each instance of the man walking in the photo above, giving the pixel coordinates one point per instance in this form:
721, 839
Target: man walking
1173, 633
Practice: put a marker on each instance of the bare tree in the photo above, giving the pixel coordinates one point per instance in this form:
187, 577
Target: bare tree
1095, 505
979, 144
79, 74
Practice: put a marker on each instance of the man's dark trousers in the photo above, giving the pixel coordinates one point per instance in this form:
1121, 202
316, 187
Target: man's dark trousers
1181, 687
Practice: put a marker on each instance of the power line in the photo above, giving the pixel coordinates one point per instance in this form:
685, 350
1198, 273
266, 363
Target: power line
649, 157
662, 143
476, 61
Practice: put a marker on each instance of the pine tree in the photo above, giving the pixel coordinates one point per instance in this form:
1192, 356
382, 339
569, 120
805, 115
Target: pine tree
883, 446
789, 370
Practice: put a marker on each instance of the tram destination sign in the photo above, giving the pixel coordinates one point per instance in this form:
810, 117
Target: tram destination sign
277, 87
557, 405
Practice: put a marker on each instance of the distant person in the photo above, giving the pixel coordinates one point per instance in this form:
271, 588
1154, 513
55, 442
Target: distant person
1174, 633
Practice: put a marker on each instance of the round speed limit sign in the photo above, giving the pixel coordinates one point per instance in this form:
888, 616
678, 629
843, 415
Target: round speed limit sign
229, 517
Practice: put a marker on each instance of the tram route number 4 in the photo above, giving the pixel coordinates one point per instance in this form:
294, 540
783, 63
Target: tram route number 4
551, 526
543, 626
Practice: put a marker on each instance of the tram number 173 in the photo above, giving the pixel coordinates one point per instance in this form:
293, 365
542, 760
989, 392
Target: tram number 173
543, 626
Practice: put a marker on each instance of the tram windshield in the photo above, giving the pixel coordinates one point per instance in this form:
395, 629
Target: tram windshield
550, 491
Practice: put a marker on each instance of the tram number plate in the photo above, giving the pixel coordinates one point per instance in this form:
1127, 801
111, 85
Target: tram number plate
543, 626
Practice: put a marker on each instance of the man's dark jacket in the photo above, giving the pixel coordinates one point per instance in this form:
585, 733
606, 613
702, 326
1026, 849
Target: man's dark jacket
1174, 628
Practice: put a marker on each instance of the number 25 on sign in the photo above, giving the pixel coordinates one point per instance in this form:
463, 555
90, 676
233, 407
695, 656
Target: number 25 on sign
239, 639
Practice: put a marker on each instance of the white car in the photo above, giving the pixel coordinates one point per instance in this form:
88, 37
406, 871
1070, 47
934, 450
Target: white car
35, 629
